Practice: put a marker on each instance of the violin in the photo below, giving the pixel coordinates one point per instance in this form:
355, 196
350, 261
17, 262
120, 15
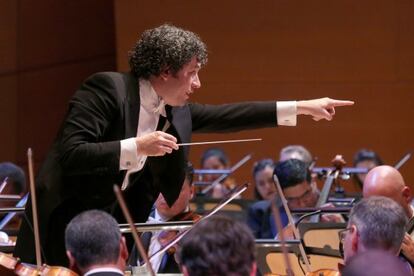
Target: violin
319, 272
166, 236
10, 265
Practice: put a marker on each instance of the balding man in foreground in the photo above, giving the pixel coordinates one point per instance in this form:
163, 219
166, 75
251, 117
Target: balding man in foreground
387, 181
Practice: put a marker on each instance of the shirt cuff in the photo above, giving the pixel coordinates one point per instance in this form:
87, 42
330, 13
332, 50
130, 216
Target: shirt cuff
286, 113
129, 156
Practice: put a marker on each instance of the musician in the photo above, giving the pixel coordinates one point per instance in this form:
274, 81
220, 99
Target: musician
153, 241
217, 159
218, 246
16, 180
124, 128
264, 187
94, 245
295, 152
376, 222
368, 159
300, 191
387, 181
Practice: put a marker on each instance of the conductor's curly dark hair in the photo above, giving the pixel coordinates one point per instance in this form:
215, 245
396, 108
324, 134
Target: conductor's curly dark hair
165, 48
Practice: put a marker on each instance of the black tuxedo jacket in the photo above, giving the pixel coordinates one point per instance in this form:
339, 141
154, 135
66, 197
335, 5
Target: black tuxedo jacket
83, 164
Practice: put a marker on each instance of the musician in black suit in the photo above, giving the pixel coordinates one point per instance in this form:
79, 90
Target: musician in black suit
125, 129
94, 245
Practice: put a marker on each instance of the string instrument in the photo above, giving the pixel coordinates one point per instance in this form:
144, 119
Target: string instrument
13, 266
338, 162
276, 214
166, 236
10, 265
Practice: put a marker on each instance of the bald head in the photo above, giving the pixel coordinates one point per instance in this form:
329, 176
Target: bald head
387, 181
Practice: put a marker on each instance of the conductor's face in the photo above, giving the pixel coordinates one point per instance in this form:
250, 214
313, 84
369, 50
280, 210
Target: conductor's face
177, 87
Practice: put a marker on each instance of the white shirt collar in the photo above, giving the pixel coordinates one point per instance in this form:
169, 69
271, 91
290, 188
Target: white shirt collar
104, 269
150, 99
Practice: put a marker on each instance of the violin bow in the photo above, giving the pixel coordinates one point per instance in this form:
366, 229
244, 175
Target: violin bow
10, 215
402, 161
291, 222
3, 184
233, 194
34, 208
134, 232
278, 221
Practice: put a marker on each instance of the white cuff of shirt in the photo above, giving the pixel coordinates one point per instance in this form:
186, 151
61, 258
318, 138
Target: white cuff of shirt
286, 113
129, 156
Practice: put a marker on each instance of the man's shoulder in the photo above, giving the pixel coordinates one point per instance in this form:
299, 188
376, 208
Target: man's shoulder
114, 76
114, 84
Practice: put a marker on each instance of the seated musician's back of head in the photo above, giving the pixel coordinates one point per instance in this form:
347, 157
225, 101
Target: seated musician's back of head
374, 223
94, 243
218, 246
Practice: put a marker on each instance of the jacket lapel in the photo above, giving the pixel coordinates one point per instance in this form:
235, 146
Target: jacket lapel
131, 106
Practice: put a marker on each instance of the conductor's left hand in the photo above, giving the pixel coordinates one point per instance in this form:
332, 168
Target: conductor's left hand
323, 108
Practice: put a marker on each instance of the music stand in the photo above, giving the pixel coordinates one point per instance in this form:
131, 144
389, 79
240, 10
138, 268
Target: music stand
270, 256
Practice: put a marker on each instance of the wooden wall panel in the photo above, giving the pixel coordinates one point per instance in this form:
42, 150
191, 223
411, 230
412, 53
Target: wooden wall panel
8, 119
266, 50
55, 32
47, 48
405, 65
8, 37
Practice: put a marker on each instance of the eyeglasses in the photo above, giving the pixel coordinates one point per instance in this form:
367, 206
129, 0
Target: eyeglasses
306, 195
342, 233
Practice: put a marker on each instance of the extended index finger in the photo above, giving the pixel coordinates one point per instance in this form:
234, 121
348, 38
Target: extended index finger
341, 103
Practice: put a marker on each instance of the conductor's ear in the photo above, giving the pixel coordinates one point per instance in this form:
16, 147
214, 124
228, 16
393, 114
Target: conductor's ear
165, 74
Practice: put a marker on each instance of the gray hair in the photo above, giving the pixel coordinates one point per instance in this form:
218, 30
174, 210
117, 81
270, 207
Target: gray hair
93, 237
299, 150
380, 222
